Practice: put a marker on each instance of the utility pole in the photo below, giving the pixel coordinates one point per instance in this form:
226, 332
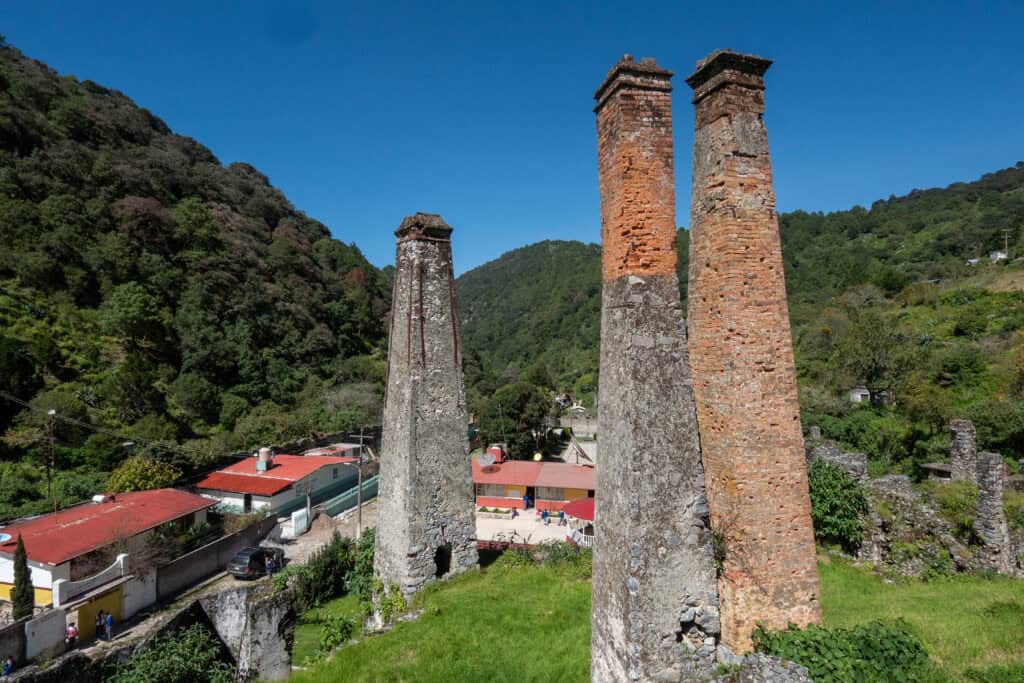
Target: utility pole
359, 487
52, 467
1006, 243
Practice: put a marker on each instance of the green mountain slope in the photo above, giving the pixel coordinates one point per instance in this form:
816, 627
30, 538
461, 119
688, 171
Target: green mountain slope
880, 296
148, 291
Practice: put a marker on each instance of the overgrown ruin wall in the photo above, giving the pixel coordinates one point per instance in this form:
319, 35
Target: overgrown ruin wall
963, 451
990, 517
425, 528
741, 355
654, 610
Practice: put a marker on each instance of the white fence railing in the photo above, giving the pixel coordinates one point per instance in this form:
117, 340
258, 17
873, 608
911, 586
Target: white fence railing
65, 591
581, 539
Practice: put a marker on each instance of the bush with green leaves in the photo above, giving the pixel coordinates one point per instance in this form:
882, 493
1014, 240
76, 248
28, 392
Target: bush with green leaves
838, 505
867, 653
336, 630
324, 576
191, 654
360, 578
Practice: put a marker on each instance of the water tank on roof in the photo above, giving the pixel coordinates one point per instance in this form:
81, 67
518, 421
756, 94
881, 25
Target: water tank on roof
263, 460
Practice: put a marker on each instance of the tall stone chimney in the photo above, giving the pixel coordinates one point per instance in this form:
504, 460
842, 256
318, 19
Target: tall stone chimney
742, 358
655, 610
996, 552
426, 527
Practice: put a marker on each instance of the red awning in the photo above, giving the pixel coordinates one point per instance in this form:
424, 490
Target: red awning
581, 508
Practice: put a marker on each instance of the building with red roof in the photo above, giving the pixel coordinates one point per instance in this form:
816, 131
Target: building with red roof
548, 485
282, 486
65, 544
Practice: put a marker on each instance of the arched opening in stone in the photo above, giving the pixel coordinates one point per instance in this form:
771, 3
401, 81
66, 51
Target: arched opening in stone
442, 560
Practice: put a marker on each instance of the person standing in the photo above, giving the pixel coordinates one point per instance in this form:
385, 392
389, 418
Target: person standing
270, 565
100, 624
110, 625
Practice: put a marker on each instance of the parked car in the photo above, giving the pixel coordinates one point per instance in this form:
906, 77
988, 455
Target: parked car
251, 563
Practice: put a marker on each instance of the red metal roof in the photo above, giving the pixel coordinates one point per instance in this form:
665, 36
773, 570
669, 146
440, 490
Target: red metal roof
581, 508
529, 473
58, 537
243, 477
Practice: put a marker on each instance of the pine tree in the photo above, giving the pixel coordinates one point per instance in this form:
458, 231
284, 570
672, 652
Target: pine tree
22, 596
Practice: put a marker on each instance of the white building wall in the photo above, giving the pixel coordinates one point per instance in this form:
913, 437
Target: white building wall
138, 594
43, 575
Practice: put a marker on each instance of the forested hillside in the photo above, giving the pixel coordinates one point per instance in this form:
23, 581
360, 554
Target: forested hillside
150, 295
881, 296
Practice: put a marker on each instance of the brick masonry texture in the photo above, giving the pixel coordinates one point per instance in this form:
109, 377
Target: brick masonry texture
655, 608
742, 360
963, 451
426, 527
990, 517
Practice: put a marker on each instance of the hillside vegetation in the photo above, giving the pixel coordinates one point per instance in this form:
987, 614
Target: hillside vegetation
151, 295
881, 297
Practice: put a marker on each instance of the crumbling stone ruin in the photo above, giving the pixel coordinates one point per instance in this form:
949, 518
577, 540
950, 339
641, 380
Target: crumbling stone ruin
989, 516
741, 354
655, 608
963, 451
426, 529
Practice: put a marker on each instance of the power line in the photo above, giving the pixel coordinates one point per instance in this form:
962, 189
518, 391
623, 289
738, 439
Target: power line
69, 420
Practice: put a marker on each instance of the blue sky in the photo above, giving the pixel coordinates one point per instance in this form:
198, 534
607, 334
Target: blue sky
365, 112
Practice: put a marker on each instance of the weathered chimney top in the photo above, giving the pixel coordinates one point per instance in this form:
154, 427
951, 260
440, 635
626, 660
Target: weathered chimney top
627, 73
428, 226
725, 66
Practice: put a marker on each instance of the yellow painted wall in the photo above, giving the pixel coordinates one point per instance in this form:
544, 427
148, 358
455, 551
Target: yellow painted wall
108, 602
44, 596
515, 491
573, 494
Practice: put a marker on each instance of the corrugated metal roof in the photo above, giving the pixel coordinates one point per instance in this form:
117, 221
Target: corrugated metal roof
243, 477
529, 473
58, 537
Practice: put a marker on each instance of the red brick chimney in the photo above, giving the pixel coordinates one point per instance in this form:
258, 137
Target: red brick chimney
741, 355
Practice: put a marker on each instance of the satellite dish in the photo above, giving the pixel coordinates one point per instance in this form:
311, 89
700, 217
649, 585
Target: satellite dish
4, 538
486, 460
537, 457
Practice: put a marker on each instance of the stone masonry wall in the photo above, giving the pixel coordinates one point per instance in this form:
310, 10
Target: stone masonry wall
426, 528
963, 451
990, 517
655, 609
742, 359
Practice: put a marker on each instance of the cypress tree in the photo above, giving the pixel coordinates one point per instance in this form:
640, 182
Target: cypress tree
22, 596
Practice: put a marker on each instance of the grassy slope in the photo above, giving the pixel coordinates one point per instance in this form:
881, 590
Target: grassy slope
525, 624
965, 622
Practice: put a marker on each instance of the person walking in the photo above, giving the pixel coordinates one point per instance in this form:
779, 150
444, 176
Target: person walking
71, 635
270, 565
110, 626
544, 517
561, 518
100, 624
8, 665
526, 502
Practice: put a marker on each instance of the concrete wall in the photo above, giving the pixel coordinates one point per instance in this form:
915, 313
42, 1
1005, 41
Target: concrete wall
138, 594
65, 591
45, 633
190, 569
12, 640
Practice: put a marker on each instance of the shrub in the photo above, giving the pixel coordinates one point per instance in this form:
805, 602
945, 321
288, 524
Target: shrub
360, 578
323, 577
191, 654
871, 652
956, 501
837, 505
141, 474
336, 630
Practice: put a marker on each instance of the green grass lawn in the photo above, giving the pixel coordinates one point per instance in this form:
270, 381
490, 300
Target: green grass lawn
522, 624
307, 632
964, 622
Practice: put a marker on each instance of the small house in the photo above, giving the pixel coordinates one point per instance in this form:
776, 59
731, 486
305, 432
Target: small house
279, 484
860, 395
548, 485
71, 544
